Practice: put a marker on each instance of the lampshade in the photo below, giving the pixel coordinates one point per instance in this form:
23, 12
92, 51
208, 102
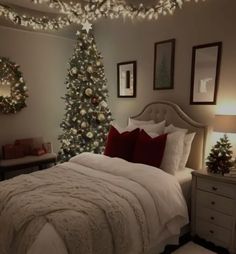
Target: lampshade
225, 123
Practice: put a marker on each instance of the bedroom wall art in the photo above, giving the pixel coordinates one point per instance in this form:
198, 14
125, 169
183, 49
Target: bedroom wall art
13, 90
206, 61
126, 79
164, 59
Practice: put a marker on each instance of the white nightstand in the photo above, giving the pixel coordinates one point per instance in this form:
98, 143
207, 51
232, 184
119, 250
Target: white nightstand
213, 211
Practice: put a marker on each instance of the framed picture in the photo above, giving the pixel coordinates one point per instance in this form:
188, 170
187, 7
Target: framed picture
205, 73
164, 60
126, 79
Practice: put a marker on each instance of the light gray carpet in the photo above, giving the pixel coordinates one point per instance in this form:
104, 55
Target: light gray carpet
192, 248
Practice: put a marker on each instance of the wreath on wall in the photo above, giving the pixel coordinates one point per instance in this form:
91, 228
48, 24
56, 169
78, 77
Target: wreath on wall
13, 90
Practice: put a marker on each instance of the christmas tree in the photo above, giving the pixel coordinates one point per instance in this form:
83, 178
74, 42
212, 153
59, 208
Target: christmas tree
87, 118
219, 160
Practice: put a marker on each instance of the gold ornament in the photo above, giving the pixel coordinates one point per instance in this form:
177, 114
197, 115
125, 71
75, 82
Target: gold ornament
83, 112
90, 69
83, 125
88, 92
101, 117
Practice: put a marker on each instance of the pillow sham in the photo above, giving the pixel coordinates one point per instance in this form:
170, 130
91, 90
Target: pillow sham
121, 144
188, 139
171, 128
139, 122
149, 150
173, 152
154, 128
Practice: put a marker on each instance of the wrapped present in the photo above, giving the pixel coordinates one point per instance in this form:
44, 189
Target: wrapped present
12, 151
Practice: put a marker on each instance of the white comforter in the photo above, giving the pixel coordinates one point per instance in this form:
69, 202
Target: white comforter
96, 204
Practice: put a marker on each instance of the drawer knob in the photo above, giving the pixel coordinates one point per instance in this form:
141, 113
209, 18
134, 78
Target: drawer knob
212, 218
213, 202
211, 231
214, 188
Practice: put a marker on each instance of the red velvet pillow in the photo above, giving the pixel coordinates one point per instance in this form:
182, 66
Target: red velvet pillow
121, 144
149, 150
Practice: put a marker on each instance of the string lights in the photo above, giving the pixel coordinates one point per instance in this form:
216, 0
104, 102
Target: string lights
91, 10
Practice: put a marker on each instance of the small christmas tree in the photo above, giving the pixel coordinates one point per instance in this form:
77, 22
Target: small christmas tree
87, 118
219, 160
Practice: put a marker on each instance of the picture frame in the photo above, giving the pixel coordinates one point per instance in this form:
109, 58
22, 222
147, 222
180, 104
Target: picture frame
164, 61
126, 79
206, 60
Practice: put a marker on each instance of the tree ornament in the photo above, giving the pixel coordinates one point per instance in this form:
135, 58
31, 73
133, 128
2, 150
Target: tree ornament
84, 125
98, 63
94, 100
88, 92
220, 160
103, 104
74, 70
90, 69
101, 117
89, 135
83, 112
96, 143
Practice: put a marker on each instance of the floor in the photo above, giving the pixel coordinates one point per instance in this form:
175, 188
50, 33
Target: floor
192, 248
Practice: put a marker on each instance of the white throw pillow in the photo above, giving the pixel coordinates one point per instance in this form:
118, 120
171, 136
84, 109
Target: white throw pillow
173, 152
154, 128
171, 128
139, 122
188, 139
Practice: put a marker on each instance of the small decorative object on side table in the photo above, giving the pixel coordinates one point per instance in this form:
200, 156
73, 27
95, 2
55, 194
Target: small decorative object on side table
213, 211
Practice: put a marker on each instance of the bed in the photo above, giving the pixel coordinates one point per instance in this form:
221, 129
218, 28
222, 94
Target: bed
97, 204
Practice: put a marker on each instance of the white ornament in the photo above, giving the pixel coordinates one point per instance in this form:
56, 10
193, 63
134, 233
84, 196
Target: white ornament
87, 26
83, 112
96, 143
74, 131
74, 70
89, 135
83, 125
90, 69
103, 104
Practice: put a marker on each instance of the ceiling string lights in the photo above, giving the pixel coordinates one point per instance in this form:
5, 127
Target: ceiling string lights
91, 10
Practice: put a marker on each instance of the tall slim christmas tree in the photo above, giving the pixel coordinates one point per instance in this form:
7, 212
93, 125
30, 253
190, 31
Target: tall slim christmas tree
87, 118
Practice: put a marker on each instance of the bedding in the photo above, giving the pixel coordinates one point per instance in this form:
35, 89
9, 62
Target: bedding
91, 204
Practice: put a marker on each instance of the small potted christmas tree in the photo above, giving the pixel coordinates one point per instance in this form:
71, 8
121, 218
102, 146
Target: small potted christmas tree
220, 160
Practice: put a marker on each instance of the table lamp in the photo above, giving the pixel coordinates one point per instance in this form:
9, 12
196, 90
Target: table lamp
220, 159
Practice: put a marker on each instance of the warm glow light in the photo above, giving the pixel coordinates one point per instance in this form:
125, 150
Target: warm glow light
227, 108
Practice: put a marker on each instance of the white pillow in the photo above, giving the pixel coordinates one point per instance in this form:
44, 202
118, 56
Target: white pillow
139, 122
171, 128
154, 128
173, 152
188, 139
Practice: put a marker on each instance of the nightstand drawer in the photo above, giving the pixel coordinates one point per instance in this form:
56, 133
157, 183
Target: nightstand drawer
213, 233
215, 217
227, 190
215, 202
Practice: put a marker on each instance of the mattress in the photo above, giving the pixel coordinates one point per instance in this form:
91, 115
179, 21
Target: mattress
184, 178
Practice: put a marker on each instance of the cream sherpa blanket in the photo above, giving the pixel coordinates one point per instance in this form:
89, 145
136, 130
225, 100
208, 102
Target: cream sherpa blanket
96, 204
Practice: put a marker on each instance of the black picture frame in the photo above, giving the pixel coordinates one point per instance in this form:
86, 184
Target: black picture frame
205, 72
126, 79
164, 63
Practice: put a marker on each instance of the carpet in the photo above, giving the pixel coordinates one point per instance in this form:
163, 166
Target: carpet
192, 248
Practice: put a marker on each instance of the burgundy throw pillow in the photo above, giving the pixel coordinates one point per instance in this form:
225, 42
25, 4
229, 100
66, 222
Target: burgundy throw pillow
149, 150
121, 144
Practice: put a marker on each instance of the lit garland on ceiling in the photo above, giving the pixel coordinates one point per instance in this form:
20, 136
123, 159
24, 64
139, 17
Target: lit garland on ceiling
35, 23
92, 10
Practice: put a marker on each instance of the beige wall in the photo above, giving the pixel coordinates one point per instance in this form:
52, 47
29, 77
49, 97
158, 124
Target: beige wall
43, 60
205, 22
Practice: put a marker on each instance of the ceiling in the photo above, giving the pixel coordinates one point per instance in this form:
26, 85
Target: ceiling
28, 7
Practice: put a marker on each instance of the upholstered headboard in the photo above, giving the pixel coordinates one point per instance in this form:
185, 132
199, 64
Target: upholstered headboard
173, 114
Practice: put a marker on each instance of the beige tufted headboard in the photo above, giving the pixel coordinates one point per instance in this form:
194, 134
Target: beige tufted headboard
172, 113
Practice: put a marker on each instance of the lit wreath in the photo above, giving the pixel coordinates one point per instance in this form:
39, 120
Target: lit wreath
11, 76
